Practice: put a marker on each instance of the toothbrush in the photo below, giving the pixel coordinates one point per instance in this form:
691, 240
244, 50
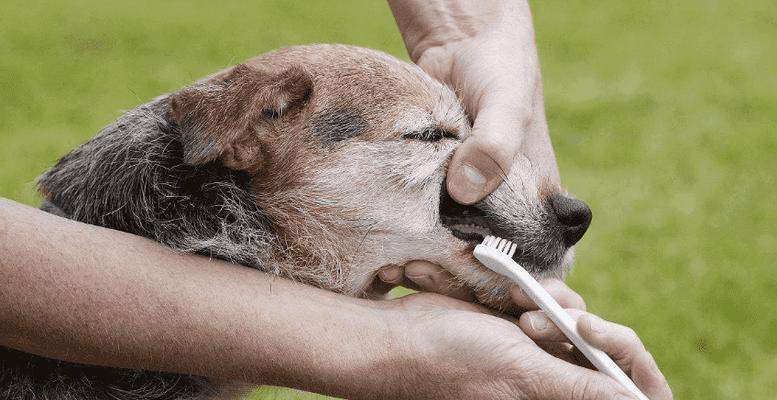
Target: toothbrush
497, 254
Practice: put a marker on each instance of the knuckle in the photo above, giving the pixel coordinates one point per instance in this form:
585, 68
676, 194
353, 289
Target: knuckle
579, 302
530, 378
527, 385
556, 288
629, 347
583, 388
506, 390
632, 339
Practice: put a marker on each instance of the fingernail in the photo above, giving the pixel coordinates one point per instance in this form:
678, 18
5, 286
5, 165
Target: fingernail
597, 324
390, 275
476, 179
538, 322
469, 183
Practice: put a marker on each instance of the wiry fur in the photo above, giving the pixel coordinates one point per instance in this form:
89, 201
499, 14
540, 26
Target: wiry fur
301, 163
131, 177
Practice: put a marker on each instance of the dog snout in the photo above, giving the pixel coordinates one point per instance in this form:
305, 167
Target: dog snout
573, 215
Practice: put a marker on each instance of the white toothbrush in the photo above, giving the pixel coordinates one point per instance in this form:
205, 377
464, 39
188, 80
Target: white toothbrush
497, 254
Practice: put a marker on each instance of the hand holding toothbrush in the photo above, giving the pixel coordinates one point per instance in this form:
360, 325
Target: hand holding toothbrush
541, 363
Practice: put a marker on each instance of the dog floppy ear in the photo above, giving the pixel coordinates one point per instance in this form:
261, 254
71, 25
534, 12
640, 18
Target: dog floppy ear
222, 118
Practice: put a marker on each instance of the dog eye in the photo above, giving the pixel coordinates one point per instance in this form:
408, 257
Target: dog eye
430, 135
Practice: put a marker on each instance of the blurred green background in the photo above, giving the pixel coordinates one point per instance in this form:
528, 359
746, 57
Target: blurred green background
662, 114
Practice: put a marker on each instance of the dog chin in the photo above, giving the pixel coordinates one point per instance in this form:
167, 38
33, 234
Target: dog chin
490, 288
455, 255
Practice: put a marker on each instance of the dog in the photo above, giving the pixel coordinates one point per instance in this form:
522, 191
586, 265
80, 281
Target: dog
321, 164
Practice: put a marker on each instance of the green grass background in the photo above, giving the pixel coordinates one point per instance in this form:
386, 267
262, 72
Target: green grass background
662, 114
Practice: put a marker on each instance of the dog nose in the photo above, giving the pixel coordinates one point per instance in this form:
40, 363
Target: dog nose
574, 216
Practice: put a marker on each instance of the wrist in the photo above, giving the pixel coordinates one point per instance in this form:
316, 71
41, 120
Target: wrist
391, 364
425, 359
400, 357
344, 347
435, 23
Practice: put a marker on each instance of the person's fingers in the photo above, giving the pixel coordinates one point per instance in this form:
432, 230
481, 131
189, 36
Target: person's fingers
537, 326
435, 61
393, 274
649, 378
565, 296
627, 350
620, 342
388, 279
481, 163
558, 379
562, 350
565, 351
437, 302
378, 289
536, 145
430, 277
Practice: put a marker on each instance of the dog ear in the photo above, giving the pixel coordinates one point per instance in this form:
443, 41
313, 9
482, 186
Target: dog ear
222, 118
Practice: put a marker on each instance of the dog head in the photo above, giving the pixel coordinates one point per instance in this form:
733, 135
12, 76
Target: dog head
346, 150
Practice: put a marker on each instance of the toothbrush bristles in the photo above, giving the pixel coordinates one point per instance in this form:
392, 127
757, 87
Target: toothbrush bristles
503, 245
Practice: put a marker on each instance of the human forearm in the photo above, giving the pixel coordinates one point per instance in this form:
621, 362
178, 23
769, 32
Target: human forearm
88, 294
92, 295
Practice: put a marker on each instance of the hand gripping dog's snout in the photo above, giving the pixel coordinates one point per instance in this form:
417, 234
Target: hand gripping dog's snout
573, 215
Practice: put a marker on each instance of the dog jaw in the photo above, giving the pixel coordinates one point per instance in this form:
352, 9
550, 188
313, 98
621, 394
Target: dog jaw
519, 204
346, 195
385, 205
305, 163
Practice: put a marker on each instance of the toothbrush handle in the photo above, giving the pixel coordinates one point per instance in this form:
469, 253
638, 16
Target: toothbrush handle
563, 321
568, 326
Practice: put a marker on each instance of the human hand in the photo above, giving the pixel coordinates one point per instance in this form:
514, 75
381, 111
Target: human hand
428, 277
621, 343
458, 350
486, 52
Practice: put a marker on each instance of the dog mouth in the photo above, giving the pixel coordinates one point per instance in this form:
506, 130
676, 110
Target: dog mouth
471, 224
465, 222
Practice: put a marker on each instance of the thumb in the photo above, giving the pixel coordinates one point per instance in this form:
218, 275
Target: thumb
561, 380
484, 159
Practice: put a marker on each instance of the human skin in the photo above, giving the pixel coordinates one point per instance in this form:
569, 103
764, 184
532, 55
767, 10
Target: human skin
87, 294
485, 50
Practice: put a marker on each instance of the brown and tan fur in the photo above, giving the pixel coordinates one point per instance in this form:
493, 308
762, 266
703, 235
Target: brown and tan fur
321, 164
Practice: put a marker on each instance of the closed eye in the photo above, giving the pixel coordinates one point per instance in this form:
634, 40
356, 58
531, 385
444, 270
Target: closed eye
430, 135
